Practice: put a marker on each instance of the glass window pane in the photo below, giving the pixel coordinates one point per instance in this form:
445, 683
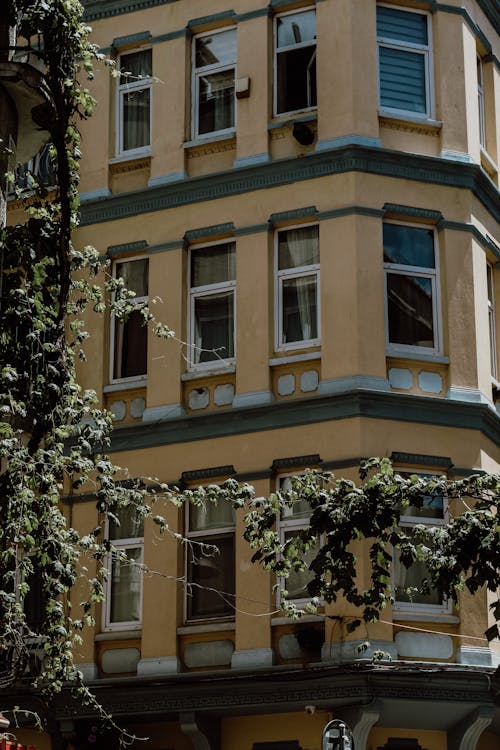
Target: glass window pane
296, 28
298, 247
216, 49
130, 347
300, 509
212, 265
410, 310
135, 275
214, 327
296, 583
408, 583
126, 581
216, 102
131, 524
409, 246
402, 80
300, 315
212, 593
137, 65
211, 516
136, 110
432, 507
401, 25
296, 79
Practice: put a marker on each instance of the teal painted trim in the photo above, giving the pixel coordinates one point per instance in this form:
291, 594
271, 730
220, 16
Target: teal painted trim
289, 123
382, 162
170, 36
296, 462
411, 212
253, 476
215, 471
348, 140
368, 404
419, 459
193, 235
468, 19
165, 247
293, 214
128, 248
250, 161
93, 195
482, 239
277, 4
166, 179
97, 9
343, 463
251, 14
338, 213
252, 229
127, 41
225, 15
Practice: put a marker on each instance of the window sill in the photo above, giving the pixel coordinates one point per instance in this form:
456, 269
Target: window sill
119, 635
291, 119
204, 140
125, 385
131, 155
487, 163
426, 123
293, 358
209, 627
435, 358
424, 617
277, 621
208, 373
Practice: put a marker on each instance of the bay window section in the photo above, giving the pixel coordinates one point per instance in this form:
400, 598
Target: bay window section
210, 580
214, 72
123, 602
411, 289
134, 103
480, 102
129, 337
295, 62
297, 287
490, 279
405, 61
212, 305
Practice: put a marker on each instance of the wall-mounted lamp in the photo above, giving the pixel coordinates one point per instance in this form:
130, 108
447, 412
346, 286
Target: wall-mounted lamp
337, 736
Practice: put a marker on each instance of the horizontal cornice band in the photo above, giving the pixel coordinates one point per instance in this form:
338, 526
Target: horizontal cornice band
285, 414
353, 158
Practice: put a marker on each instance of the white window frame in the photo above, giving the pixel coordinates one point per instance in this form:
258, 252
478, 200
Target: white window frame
114, 322
205, 534
393, 349
286, 523
426, 51
417, 608
490, 281
297, 272
123, 89
288, 48
480, 100
198, 73
205, 291
121, 545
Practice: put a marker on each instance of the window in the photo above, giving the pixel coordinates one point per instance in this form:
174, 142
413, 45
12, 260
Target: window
292, 521
211, 308
129, 337
411, 289
405, 61
123, 603
214, 66
134, 103
408, 581
210, 575
491, 319
480, 100
295, 62
297, 287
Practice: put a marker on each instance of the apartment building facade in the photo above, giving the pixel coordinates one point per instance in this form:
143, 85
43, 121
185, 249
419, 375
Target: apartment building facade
309, 194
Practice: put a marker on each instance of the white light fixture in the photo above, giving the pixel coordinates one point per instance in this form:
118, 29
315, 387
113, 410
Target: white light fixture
337, 736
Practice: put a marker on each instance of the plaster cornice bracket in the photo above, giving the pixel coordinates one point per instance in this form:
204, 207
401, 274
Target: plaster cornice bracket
465, 734
190, 728
361, 719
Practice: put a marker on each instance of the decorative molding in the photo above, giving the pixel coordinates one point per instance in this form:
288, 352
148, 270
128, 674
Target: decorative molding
478, 656
466, 734
348, 140
194, 150
215, 19
190, 728
398, 407
421, 459
127, 248
215, 471
361, 719
292, 215
131, 40
455, 393
412, 212
295, 462
483, 239
250, 658
216, 230
131, 165
382, 162
460, 156
420, 127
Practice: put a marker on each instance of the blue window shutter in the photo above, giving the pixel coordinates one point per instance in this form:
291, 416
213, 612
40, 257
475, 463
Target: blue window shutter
402, 26
402, 80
